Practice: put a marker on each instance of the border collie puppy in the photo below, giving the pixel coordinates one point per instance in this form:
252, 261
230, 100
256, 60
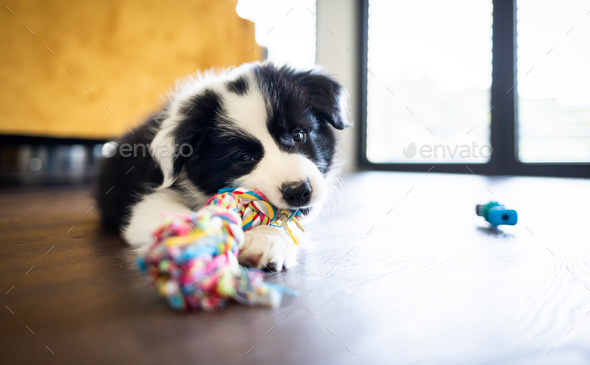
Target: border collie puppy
259, 126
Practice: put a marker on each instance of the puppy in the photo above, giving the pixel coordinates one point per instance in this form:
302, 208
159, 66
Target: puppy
259, 126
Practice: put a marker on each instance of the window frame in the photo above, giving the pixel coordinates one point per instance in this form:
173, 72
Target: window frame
504, 113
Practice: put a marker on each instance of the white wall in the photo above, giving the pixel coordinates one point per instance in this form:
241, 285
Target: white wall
340, 18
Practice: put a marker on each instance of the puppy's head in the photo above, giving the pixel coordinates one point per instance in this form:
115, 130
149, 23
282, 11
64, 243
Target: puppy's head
262, 127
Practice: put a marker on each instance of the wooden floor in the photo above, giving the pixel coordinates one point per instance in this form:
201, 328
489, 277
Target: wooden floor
403, 272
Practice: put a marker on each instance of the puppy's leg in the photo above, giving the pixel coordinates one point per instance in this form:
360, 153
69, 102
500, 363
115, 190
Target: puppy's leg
146, 216
268, 247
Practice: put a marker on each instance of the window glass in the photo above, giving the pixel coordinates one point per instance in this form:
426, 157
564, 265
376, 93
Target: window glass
553, 81
429, 79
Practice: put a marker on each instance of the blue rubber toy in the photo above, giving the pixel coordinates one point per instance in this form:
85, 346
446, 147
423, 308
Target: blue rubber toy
497, 214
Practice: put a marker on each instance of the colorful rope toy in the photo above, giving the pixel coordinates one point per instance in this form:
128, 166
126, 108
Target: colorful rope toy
497, 214
193, 259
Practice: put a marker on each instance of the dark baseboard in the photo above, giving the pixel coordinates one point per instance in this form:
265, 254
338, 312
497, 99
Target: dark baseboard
28, 161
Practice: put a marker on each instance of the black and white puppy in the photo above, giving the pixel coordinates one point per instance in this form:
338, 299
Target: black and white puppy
259, 126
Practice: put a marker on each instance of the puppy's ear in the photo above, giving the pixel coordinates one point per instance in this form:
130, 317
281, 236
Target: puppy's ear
328, 98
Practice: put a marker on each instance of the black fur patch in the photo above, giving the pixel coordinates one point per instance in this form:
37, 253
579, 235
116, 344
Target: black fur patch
238, 86
217, 148
302, 101
128, 174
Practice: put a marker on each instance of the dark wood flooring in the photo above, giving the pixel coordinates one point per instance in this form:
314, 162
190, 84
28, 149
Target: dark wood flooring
402, 272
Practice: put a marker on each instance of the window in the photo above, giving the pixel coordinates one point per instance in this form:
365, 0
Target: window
429, 81
440, 78
553, 81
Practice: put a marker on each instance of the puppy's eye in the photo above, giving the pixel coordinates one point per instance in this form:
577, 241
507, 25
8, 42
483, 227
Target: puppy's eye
299, 136
245, 157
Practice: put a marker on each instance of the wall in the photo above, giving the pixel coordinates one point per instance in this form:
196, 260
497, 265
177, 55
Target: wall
337, 51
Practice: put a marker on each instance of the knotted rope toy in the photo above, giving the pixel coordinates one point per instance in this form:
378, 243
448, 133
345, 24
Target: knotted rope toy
193, 259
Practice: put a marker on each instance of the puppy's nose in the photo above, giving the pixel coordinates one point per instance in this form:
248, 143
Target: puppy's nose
296, 194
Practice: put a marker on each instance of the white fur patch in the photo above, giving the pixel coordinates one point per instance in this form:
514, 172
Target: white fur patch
276, 168
147, 214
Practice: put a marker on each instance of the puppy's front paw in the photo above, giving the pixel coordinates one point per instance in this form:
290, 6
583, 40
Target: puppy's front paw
268, 247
